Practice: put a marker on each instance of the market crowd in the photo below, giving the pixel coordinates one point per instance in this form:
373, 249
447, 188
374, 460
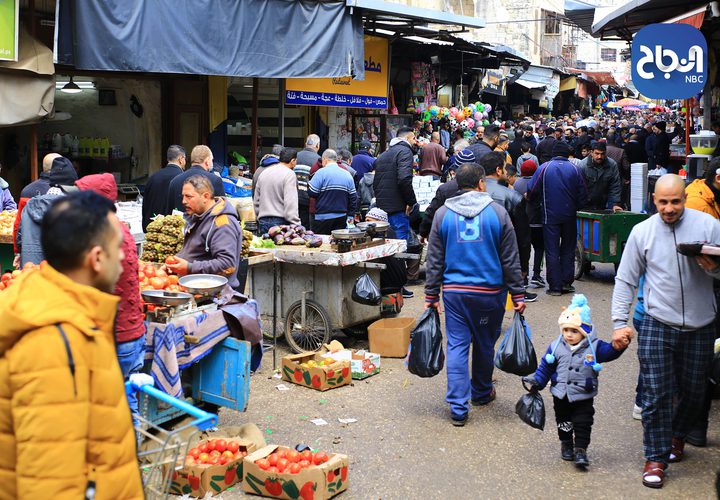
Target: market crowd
509, 192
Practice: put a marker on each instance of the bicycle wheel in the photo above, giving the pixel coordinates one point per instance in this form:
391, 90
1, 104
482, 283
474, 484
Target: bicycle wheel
311, 335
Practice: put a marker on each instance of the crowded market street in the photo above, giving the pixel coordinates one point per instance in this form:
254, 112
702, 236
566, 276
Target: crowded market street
402, 446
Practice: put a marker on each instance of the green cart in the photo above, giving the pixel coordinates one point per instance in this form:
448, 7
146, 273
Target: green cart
602, 235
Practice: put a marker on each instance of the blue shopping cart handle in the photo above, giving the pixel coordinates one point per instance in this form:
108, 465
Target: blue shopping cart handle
204, 420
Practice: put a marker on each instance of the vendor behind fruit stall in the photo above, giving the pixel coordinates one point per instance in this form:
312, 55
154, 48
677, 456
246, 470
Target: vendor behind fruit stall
213, 237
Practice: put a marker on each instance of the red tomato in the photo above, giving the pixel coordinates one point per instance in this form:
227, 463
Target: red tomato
304, 464
273, 469
203, 457
282, 464
238, 455
194, 452
320, 458
189, 460
149, 271
231, 445
171, 260
307, 455
262, 463
223, 460
282, 454
228, 454
160, 274
294, 469
203, 448
215, 453
6, 277
141, 275
221, 445
293, 456
214, 460
273, 459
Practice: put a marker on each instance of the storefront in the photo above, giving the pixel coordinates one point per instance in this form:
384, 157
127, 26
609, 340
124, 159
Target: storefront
534, 91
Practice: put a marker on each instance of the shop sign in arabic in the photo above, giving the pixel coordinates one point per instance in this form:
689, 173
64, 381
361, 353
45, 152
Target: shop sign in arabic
331, 99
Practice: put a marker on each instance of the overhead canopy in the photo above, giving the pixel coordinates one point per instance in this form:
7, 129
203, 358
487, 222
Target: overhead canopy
627, 19
27, 93
213, 37
536, 77
398, 14
580, 13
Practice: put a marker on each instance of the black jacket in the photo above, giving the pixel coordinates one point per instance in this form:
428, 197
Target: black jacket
661, 150
580, 141
544, 149
448, 190
603, 183
155, 196
175, 189
515, 148
635, 152
393, 179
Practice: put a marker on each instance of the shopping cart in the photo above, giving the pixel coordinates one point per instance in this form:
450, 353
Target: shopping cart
167, 449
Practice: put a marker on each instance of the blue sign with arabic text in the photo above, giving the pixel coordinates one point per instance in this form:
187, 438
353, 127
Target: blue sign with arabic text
669, 61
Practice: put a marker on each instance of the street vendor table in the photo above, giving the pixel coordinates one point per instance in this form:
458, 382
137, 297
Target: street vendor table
312, 289
199, 340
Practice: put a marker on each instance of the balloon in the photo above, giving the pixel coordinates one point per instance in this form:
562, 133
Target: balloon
468, 111
477, 105
460, 116
478, 116
426, 116
464, 124
470, 122
488, 108
473, 108
486, 123
453, 111
434, 110
481, 108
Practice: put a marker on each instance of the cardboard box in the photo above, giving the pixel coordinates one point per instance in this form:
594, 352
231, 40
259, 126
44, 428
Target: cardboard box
363, 364
390, 337
318, 482
322, 378
198, 480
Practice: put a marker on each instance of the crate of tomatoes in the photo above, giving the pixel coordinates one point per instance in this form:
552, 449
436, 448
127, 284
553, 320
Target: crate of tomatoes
212, 466
153, 277
281, 472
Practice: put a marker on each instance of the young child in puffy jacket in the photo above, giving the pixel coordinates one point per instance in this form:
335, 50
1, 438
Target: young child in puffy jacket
571, 365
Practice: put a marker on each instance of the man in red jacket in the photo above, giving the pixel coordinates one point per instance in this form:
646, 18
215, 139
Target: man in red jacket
130, 320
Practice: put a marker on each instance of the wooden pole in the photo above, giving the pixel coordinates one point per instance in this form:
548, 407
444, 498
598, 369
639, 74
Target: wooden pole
33, 128
254, 148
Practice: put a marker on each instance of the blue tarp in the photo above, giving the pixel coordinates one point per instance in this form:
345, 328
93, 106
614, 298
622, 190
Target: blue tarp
251, 38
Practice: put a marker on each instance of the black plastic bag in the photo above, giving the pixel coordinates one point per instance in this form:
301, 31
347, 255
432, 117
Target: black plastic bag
426, 357
531, 410
516, 353
366, 291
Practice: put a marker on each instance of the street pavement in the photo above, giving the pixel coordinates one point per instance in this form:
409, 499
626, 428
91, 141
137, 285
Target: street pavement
404, 447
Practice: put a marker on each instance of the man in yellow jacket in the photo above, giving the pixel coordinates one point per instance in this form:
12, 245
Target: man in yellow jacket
65, 425
704, 194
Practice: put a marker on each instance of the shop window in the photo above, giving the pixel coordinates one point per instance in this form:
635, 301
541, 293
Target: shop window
608, 55
552, 22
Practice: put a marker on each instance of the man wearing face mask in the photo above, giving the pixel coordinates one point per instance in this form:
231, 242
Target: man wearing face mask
491, 137
393, 181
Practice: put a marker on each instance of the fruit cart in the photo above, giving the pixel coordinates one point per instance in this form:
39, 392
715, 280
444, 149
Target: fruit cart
191, 354
602, 235
310, 289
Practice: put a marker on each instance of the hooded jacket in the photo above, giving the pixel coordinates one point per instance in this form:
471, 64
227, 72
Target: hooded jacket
62, 173
7, 202
701, 197
363, 162
213, 242
569, 376
130, 324
393, 178
29, 232
64, 417
472, 249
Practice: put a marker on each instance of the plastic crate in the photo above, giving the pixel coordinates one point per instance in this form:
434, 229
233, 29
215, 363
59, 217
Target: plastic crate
223, 376
603, 234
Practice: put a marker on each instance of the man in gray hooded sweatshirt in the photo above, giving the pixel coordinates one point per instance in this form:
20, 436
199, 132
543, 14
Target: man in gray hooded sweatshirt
675, 341
473, 256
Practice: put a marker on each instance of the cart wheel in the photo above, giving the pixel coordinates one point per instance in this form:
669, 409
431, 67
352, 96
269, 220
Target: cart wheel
579, 260
267, 334
316, 331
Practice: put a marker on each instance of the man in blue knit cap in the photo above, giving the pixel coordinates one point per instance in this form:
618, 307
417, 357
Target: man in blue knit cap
571, 365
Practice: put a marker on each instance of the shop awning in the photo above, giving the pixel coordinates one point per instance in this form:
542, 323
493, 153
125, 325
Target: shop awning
389, 12
536, 77
569, 83
27, 93
580, 13
622, 22
529, 84
250, 38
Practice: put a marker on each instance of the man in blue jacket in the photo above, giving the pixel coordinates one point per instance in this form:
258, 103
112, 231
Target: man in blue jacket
473, 257
560, 189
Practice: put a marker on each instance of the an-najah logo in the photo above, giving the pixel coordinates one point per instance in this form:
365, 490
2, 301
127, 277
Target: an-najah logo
669, 61
683, 65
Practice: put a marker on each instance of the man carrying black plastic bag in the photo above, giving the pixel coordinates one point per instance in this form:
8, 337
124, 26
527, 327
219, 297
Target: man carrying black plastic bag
473, 257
